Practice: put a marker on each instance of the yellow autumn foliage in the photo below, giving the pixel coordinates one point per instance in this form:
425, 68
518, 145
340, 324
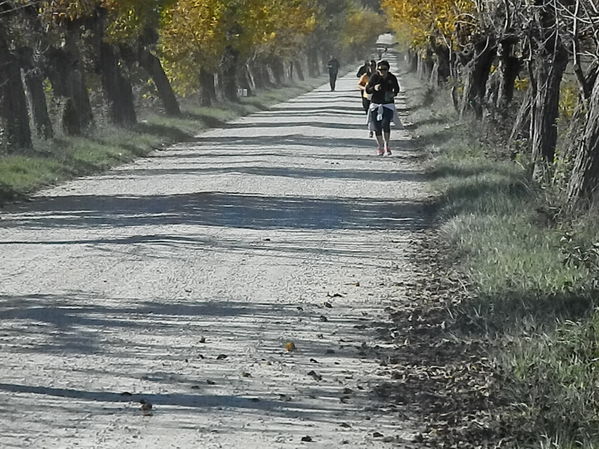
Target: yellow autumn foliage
419, 22
194, 33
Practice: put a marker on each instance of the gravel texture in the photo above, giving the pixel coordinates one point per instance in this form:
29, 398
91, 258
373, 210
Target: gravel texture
233, 282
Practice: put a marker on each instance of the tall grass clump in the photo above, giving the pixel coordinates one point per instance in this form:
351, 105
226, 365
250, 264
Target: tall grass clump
556, 376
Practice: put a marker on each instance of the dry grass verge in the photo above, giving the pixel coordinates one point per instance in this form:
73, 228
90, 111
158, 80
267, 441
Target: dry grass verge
500, 346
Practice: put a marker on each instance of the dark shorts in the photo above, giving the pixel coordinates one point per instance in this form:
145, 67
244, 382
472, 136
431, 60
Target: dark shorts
383, 125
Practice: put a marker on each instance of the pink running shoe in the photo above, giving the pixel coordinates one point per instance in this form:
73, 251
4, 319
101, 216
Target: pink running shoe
388, 152
380, 151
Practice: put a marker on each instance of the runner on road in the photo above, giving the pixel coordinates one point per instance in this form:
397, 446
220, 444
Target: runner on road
383, 86
363, 81
364, 68
366, 97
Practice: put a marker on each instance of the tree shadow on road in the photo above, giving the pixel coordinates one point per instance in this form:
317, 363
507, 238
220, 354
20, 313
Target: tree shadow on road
222, 209
190, 377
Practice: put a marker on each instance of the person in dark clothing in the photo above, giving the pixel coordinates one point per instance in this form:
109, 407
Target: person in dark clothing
333, 66
362, 86
364, 68
364, 72
383, 86
362, 82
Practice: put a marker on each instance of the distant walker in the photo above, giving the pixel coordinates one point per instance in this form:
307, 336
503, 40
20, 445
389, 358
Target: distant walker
333, 67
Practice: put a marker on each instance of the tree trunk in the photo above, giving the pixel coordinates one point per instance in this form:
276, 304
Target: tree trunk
313, 66
207, 86
14, 117
219, 91
153, 66
492, 91
441, 69
76, 78
60, 74
412, 61
245, 81
228, 73
548, 77
255, 74
297, 64
34, 80
585, 172
478, 69
68, 83
117, 89
509, 68
262, 73
428, 64
420, 66
522, 124
289, 71
278, 70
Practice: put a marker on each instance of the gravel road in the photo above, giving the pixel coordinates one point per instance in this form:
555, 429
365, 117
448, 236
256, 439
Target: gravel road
183, 278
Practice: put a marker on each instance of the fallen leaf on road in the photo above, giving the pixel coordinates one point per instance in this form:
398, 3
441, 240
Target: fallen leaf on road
328, 305
323, 318
290, 346
334, 295
315, 375
307, 439
146, 407
221, 356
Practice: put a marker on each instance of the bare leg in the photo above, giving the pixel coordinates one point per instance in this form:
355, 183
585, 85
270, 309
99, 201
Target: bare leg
387, 142
381, 142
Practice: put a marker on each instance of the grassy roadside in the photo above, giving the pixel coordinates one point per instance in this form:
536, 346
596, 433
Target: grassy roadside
64, 158
532, 281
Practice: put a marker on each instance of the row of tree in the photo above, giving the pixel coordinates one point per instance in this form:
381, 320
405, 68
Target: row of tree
483, 48
63, 62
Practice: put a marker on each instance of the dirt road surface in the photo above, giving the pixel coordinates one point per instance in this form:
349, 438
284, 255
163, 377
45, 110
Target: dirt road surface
182, 280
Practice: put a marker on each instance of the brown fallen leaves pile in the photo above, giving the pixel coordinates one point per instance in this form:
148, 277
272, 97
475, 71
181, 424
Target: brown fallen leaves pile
439, 370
